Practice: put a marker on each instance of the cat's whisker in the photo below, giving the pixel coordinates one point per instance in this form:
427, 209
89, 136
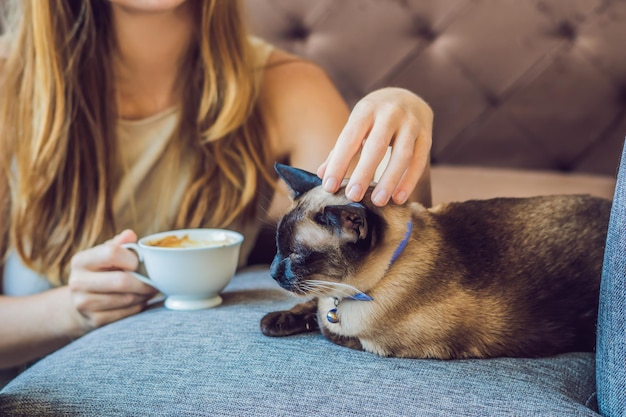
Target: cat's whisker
316, 290
338, 288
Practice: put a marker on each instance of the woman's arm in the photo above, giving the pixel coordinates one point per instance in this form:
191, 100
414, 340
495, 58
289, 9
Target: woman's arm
35, 325
99, 292
304, 115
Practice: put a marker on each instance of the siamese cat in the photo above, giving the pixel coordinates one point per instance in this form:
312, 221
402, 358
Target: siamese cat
483, 278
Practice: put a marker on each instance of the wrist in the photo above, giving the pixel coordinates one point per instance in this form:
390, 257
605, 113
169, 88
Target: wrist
72, 324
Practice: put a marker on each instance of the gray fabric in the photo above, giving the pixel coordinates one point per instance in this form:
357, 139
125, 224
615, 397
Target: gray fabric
216, 362
611, 349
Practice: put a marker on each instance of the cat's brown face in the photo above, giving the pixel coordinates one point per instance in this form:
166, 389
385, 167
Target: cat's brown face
323, 239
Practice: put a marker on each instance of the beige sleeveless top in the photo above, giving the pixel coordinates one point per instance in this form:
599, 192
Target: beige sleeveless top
141, 203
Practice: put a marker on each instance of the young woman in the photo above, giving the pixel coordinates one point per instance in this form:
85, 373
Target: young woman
149, 115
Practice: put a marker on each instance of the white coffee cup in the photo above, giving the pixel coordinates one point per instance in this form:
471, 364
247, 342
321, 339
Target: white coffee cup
192, 273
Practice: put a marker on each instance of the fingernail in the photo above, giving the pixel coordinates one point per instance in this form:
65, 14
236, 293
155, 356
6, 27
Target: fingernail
401, 197
355, 192
380, 198
330, 184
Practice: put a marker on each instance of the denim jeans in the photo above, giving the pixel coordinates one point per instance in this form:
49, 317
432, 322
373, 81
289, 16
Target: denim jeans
611, 348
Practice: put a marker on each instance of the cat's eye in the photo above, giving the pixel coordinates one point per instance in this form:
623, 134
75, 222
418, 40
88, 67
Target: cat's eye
320, 218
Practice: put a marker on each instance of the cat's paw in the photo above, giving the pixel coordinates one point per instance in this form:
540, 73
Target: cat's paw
287, 323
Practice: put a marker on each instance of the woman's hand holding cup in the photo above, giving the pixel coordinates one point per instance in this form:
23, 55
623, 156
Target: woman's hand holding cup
101, 288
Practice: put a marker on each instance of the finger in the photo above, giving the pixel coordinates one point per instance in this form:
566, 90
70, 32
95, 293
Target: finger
126, 236
401, 156
103, 257
373, 152
321, 170
101, 318
92, 303
348, 145
109, 282
414, 172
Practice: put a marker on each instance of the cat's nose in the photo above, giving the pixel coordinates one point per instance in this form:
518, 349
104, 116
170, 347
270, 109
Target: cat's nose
280, 270
277, 268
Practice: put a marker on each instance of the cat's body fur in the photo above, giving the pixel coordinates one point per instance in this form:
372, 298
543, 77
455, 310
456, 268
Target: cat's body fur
499, 277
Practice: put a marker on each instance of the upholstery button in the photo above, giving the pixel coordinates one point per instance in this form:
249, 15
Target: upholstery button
427, 34
493, 100
299, 32
621, 95
566, 30
423, 29
565, 167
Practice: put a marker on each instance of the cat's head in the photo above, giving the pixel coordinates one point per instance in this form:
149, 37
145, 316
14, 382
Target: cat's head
324, 238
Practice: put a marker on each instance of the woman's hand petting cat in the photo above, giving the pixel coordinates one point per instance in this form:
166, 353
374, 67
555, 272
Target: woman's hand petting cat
387, 117
101, 290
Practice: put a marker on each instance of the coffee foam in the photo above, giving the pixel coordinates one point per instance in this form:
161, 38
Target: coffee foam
173, 241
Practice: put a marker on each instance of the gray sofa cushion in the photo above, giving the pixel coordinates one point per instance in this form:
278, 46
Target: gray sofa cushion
216, 362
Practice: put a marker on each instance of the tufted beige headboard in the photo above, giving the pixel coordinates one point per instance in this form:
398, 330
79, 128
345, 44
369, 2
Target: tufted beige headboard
530, 84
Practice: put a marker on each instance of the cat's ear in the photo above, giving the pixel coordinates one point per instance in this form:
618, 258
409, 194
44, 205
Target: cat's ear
298, 180
349, 220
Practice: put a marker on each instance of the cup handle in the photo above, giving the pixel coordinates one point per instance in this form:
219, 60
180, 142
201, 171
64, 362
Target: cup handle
135, 248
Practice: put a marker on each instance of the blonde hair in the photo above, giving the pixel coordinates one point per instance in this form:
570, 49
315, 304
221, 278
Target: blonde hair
57, 128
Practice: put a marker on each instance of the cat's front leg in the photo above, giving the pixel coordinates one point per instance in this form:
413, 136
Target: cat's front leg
302, 318
346, 341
